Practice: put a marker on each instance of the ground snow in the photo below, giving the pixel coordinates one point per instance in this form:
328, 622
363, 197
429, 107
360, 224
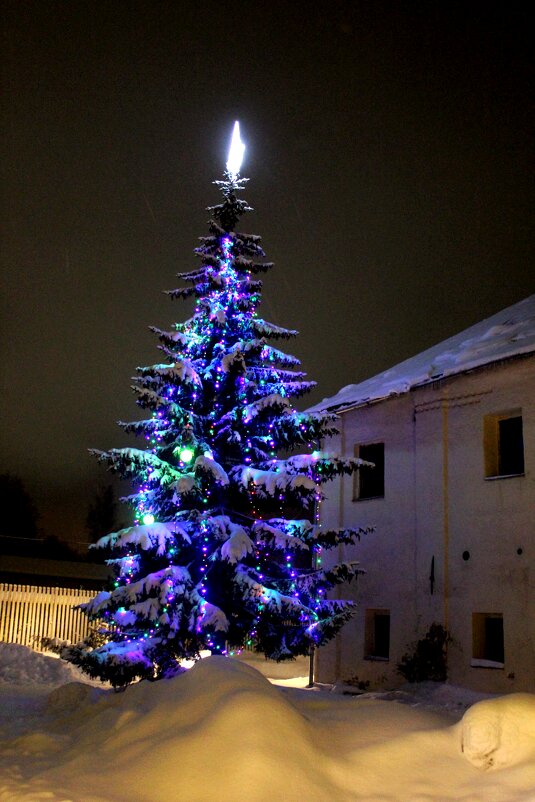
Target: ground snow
222, 732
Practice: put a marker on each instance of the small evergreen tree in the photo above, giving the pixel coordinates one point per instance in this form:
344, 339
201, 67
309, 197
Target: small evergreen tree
102, 513
20, 517
213, 558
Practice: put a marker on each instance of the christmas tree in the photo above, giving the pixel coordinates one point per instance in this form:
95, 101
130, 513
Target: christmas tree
226, 550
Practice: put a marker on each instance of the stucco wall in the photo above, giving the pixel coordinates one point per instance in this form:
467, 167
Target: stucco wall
438, 504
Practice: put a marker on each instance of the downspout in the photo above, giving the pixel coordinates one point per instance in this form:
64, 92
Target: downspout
445, 507
341, 502
415, 529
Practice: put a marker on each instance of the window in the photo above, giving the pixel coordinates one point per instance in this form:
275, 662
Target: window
370, 482
377, 634
487, 640
503, 444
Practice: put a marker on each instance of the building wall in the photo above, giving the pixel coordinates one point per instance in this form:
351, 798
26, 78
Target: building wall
438, 508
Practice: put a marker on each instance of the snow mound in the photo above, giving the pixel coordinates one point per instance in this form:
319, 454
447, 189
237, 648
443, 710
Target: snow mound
220, 711
221, 732
19, 665
497, 733
71, 696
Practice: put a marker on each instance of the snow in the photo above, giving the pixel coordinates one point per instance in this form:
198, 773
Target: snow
500, 732
238, 545
235, 357
507, 334
221, 731
275, 402
146, 536
182, 370
278, 538
213, 616
19, 665
185, 484
208, 465
274, 481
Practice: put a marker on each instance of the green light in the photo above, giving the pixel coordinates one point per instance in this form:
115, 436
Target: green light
186, 455
148, 519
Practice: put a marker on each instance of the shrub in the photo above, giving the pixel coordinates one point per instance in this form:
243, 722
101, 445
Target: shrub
428, 660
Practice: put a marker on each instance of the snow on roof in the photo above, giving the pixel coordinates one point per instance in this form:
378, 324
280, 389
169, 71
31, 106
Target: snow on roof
507, 334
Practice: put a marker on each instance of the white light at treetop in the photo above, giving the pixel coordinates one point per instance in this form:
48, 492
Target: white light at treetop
237, 149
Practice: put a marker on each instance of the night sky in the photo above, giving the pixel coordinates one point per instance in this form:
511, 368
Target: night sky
389, 147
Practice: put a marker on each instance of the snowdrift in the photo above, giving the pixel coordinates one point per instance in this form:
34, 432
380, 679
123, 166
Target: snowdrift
500, 732
222, 732
20, 665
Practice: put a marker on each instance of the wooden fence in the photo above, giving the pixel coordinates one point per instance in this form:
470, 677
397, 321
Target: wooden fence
29, 613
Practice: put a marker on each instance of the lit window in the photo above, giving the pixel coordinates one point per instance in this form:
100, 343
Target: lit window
487, 640
504, 444
370, 482
377, 634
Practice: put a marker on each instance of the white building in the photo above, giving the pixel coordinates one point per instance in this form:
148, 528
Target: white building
452, 499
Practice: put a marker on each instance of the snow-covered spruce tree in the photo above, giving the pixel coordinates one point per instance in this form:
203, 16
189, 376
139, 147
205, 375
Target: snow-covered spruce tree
213, 558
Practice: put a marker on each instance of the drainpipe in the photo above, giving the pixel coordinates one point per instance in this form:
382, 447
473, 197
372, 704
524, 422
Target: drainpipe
445, 507
341, 502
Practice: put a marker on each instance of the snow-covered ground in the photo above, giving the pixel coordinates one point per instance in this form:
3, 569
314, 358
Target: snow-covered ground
222, 732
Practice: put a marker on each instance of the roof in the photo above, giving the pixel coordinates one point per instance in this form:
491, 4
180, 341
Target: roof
56, 573
509, 333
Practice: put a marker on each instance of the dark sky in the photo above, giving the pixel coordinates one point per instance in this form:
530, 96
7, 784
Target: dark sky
389, 146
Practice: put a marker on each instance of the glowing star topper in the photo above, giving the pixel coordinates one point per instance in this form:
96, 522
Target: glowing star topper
235, 154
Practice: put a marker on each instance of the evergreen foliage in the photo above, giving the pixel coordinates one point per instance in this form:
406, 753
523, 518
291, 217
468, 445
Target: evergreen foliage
215, 557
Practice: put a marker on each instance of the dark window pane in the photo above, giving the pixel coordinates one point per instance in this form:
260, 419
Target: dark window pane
494, 639
382, 635
372, 480
511, 446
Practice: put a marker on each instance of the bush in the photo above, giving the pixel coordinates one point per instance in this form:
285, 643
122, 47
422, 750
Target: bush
428, 660
355, 682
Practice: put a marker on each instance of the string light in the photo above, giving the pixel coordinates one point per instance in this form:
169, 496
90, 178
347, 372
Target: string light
186, 455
